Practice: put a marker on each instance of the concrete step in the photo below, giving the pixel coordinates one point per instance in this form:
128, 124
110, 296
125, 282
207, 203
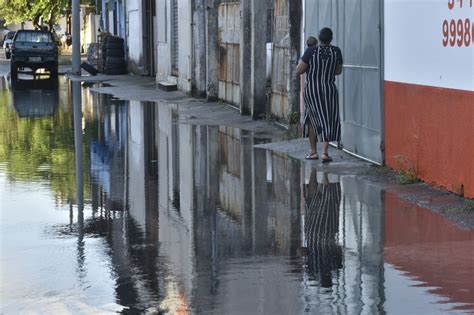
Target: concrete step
167, 86
172, 79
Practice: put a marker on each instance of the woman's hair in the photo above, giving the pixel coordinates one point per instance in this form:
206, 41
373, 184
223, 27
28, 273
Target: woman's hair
325, 35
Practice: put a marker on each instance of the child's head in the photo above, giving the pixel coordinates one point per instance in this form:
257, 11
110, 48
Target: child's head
311, 41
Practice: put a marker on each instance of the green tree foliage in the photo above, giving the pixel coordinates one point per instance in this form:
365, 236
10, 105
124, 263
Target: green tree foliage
41, 149
40, 12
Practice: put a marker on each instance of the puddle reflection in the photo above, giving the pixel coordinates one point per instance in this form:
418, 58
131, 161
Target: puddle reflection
430, 250
322, 204
182, 218
36, 98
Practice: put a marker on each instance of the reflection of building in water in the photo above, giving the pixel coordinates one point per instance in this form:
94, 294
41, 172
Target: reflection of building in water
361, 235
263, 211
225, 213
175, 198
254, 214
135, 162
343, 234
441, 263
265, 208
4, 83
238, 204
125, 207
108, 168
214, 224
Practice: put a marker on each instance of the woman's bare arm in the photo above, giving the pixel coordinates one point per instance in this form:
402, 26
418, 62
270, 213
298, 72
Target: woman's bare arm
338, 69
301, 68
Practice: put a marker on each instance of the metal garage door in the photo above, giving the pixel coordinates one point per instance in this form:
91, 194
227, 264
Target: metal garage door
357, 31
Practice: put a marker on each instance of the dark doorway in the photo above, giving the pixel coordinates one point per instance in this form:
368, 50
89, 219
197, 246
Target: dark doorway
149, 48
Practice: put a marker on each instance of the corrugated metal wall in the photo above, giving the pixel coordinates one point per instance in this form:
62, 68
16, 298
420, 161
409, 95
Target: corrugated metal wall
229, 51
357, 31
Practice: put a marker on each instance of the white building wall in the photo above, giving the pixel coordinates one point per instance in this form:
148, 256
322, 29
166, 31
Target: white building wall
176, 225
90, 30
185, 32
135, 34
164, 31
163, 35
15, 27
423, 44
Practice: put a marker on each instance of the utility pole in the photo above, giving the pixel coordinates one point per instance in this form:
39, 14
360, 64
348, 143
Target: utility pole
76, 38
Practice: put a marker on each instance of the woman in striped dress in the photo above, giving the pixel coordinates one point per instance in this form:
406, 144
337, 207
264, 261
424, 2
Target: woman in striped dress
321, 64
322, 202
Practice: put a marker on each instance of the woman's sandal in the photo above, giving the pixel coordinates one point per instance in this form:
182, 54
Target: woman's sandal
312, 156
325, 158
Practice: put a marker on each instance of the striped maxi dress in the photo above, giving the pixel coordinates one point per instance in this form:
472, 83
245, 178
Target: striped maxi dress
320, 94
320, 228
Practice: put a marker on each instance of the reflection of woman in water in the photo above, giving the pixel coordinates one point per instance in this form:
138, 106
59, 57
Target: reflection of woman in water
322, 202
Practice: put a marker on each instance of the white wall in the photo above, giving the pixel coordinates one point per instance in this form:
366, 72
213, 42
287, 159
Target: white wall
90, 30
164, 37
15, 27
414, 48
163, 31
135, 32
28, 25
185, 41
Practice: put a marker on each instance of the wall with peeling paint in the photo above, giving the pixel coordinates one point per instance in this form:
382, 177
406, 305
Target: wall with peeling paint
286, 34
229, 52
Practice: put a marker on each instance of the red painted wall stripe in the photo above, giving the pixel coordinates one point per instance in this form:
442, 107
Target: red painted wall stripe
432, 130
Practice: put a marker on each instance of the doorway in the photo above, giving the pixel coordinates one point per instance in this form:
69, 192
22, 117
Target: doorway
149, 56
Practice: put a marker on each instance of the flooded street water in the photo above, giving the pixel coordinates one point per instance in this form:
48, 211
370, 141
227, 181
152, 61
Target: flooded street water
178, 218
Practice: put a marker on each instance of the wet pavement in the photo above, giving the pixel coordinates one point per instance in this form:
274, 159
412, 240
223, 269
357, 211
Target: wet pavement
161, 216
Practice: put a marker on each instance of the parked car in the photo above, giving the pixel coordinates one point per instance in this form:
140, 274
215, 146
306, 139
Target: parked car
7, 41
3, 34
34, 50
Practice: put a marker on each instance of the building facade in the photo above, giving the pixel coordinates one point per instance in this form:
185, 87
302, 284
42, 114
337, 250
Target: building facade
429, 91
406, 93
